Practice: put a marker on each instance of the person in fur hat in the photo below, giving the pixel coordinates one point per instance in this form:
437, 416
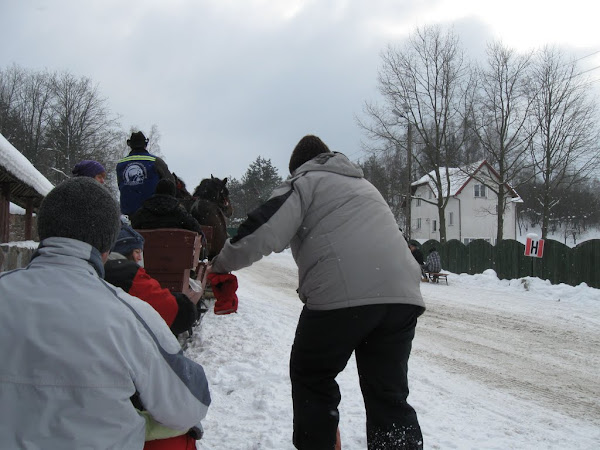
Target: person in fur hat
139, 173
360, 287
76, 348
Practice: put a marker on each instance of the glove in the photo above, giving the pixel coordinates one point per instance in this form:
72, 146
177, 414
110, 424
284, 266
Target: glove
224, 286
187, 314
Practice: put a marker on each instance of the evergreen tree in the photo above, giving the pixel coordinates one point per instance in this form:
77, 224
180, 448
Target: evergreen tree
254, 189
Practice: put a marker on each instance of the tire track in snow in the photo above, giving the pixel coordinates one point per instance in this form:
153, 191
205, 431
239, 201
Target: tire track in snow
555, 364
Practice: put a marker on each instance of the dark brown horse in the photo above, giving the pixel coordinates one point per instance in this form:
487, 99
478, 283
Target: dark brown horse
211, 207
182, 194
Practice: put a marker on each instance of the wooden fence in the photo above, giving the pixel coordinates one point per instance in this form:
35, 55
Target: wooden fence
560, 264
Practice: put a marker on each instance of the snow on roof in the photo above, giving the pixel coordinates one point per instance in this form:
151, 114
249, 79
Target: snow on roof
16, 209
458, 177
20, 167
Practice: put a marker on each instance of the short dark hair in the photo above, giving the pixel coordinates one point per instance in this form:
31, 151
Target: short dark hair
306, 149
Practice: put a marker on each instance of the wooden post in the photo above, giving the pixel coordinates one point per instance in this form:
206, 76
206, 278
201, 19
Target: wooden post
4, 212
28, 219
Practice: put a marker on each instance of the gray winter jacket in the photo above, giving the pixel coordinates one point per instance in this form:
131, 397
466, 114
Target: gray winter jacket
343, 236
75, 349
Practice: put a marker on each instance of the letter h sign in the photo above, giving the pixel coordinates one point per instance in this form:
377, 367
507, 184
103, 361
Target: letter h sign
534, 247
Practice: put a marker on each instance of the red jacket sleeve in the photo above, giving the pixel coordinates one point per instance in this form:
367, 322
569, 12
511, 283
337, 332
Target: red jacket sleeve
148, 289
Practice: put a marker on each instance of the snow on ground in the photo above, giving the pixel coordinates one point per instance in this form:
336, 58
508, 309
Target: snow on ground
496, 364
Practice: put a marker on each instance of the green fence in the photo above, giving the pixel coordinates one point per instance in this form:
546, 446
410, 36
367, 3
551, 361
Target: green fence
560, 263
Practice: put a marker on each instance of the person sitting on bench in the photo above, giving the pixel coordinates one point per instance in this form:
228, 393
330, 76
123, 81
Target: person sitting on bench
433, 263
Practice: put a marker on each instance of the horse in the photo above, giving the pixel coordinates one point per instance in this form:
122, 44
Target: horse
211, 207
181, 193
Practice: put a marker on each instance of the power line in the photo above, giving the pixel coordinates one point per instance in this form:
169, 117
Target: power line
588, 70
587, 56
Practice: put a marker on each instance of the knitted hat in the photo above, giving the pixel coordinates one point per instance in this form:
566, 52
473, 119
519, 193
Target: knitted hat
83, 209
308, 147
88, 168
137, 140
128, 240
165, 187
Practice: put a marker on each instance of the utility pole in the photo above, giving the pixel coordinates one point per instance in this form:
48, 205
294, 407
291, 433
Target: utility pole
409, 180
408, 195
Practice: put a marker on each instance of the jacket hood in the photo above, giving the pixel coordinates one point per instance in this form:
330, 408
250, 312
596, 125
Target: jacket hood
331, 162
59, 247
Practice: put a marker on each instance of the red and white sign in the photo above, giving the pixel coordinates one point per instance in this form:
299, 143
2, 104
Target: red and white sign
534, 247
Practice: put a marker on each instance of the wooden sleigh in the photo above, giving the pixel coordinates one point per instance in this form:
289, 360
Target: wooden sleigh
173, 257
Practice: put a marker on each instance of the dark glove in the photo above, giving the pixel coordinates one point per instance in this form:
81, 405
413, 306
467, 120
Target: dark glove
187, 314
196, 432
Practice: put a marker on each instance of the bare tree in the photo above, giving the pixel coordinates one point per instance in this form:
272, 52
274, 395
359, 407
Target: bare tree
427, 79
565, 146
500, 120
80, 126
11, 84
34, 110
390, 154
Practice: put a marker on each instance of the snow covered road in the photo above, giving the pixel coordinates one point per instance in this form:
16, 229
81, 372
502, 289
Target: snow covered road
495, 365
532, 355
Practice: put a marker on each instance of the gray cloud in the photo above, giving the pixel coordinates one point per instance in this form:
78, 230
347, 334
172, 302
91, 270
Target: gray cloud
224, 81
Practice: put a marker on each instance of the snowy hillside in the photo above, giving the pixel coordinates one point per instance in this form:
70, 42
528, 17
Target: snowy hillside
495, 365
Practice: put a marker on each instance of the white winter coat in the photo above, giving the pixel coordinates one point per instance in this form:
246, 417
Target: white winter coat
75, 349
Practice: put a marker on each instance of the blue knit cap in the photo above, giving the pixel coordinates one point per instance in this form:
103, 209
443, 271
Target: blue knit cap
88, 168
128, 240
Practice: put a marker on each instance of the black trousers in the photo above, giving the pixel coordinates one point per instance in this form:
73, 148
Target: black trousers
381, 336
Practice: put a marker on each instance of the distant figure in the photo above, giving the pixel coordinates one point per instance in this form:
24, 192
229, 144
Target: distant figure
89, 168
75, 349
163, 210
418, 255
433, 263
139, 173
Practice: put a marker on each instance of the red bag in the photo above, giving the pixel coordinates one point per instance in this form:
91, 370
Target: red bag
224, 287
183, 442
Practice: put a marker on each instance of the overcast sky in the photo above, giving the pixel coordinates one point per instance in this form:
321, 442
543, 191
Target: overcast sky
228, 80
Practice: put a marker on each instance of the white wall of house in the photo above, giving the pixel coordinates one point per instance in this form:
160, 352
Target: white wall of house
471, 214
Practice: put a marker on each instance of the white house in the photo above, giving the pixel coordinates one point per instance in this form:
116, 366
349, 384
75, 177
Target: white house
471, 211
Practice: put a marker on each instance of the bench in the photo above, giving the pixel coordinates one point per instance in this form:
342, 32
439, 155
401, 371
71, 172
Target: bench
172, 257
434, 277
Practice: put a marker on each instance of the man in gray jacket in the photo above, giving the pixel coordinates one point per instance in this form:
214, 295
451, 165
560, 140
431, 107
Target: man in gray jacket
75, 349
361, 289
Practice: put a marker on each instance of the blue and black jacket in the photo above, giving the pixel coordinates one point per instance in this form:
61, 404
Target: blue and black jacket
138, 174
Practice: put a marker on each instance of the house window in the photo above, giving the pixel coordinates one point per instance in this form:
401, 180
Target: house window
479, 190
467, 241
434, 226
419, 223
451, 218
418, 200
430, 195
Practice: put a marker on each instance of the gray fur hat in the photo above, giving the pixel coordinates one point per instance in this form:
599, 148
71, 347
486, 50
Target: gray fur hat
306, 149
83, 209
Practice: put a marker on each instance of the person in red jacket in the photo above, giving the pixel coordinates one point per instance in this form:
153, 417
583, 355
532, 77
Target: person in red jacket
122, 270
